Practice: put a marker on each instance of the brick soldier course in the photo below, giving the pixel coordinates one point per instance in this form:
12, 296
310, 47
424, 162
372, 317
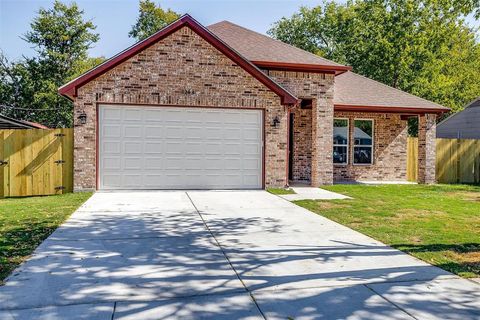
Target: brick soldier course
188, 67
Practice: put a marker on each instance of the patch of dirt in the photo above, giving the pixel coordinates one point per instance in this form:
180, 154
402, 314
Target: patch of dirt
418, 212
416, 239
325, 205
469, 196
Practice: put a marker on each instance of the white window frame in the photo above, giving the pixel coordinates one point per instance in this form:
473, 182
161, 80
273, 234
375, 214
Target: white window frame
372, 145
344, 145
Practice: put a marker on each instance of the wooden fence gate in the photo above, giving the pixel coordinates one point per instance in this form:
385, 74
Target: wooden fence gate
36, 162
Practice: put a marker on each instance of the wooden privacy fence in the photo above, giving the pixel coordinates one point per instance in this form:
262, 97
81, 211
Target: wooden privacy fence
458, 160
36, 162
412, 159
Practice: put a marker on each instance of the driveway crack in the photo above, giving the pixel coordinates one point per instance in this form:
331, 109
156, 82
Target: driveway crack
226, 256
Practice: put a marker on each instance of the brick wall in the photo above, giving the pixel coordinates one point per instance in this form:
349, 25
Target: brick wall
182, 70
427, 128
390, 149
302, 144
319, 87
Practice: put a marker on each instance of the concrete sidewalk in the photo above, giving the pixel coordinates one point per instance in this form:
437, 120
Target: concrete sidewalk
312, 193
223, 255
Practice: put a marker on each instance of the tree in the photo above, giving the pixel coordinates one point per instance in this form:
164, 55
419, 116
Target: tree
61, 39
151, 18
421, 46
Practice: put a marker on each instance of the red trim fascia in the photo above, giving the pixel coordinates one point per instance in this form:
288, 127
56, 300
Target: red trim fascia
287, 66
70, 89
35, 125
409, 110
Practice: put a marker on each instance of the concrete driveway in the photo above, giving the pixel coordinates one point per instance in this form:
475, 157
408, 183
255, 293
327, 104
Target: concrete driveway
223, 255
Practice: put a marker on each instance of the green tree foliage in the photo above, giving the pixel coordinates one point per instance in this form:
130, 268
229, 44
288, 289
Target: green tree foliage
421, 46
61, 39
151, 18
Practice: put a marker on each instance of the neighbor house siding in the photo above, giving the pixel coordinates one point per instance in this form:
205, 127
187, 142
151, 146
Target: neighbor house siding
316, 156
180, 70
390, 149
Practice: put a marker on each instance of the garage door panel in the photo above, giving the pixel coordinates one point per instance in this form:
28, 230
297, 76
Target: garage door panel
133, 163
153, 164
153, 147
132, 131
132, 147
112, 131
114, 114
178, 148
154, 132
112, 163
111, 147
132, 114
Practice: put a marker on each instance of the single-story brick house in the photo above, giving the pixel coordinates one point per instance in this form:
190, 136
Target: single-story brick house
223, 107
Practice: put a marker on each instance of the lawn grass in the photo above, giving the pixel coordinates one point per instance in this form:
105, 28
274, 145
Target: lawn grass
439, 224
280, 191
26, 222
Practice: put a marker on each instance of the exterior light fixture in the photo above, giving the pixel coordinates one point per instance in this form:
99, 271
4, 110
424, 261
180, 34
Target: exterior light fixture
82, 117
276, 121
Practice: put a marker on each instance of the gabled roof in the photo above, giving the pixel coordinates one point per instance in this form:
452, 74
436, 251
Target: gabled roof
462, 125
11, 123
354, 92
70, 89
264, 51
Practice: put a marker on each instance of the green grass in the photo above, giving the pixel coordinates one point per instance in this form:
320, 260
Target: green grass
439, 224
26, 222
280, 191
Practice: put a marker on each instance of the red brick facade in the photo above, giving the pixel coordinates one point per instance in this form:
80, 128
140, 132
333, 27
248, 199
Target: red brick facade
180, 70
390, 149
426, 148
319, 87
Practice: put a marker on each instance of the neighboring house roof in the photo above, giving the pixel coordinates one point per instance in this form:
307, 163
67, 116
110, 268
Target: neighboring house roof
264, 51
11, 123
343, 133
462, 125
70, 89
355, 92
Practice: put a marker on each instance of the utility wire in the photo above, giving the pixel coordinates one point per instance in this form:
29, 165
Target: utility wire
26, 109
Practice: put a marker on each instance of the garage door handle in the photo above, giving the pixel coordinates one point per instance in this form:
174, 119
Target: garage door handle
3, 163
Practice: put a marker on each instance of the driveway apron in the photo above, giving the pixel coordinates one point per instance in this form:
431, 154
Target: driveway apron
223, 255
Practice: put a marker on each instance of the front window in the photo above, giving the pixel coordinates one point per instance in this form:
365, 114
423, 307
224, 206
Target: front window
363, 144
340, 141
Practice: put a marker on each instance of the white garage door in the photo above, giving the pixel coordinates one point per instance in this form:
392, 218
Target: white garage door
179, 148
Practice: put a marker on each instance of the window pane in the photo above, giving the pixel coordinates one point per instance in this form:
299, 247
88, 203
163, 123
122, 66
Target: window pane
339, 154
363, 132
362, 155
340, 131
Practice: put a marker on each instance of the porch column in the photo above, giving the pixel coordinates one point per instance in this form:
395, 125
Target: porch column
322, 141
426, 148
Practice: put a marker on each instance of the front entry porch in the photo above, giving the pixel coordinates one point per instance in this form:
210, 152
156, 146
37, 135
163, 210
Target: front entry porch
367, 147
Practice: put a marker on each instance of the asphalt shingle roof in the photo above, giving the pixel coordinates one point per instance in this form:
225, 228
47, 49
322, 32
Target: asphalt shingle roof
352, 89
258, 47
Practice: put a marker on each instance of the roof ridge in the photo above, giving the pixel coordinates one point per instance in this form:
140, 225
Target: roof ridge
399, 90
276, 40
471, 103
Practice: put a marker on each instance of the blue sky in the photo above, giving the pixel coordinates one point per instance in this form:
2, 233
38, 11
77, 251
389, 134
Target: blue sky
114, 18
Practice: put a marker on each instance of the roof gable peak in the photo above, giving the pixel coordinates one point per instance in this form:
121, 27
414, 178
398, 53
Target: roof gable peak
70, 89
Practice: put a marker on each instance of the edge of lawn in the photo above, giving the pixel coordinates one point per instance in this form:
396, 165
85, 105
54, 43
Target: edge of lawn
25, 222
